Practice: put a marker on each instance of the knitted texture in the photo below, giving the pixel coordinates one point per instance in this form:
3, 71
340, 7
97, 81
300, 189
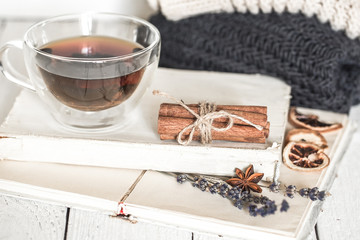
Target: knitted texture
321, 65
342, 14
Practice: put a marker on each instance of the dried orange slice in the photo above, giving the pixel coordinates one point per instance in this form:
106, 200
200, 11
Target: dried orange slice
303, 156
311, 121
306, 135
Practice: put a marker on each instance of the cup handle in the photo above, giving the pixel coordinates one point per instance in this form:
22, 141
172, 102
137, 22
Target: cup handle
8, 70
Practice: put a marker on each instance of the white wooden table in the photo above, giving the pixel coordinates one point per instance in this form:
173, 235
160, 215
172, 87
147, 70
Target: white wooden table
31, 219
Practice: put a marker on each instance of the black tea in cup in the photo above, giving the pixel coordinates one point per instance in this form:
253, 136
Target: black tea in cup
91, 85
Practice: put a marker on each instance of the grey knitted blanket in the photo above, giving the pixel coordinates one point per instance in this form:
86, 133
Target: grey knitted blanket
321, 65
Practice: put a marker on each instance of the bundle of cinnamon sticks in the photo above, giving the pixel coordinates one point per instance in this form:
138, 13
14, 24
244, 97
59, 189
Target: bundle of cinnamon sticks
173, 118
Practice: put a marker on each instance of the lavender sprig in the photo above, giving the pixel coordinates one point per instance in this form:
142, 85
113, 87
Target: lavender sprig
312, 193
256, 205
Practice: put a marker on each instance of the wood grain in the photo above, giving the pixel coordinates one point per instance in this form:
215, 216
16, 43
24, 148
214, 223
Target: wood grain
341, 212
202, 236
96, 225
27, 219
169, 128
177, 111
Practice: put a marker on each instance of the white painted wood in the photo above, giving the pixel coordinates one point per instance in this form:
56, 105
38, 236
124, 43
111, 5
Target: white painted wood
202, 236
21, 218
340, 217
312, 236
72, 186
26, 219
96, 225
41, 138
45, 8
217, 216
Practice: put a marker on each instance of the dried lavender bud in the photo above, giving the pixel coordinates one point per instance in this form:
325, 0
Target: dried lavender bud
203, 181
291, 188
271, 207
313, 197
214, 188
268, 208
234, 193
244, 194
256, 199
313, 194
290, 194
203, 184
224, 188
321, 195
314, 190
304, 192
274, 187
262, 211
264, 199
247, 197
284, 206
195, 184
253, 210
181, 178
250, 198
239, 204
290, 191
202, 188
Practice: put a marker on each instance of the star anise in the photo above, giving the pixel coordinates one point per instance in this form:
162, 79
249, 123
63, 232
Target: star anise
247, 181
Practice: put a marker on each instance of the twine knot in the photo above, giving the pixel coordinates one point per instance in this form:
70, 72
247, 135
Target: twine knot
204, 120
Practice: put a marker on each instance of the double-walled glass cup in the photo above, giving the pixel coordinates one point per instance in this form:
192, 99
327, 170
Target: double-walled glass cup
90, 69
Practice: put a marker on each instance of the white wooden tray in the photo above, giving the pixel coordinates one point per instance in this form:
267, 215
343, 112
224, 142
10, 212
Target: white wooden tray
154, 197
151, 196
29, 133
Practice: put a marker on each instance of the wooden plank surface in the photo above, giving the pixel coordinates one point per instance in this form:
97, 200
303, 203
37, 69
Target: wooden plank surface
22, 218
203, 236
26, 219
96, 225
341, 212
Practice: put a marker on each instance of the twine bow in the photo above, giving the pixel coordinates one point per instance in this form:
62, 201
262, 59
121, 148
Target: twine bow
204, 120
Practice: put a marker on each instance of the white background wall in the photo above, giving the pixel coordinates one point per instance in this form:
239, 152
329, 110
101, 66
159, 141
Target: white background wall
47, 8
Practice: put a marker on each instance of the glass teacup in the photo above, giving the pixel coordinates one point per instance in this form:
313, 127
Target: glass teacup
90, 69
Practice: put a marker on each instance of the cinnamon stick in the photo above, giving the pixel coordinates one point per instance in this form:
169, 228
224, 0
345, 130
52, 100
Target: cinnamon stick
245, 108
225, 138
267, 129
247, 112
170, 127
